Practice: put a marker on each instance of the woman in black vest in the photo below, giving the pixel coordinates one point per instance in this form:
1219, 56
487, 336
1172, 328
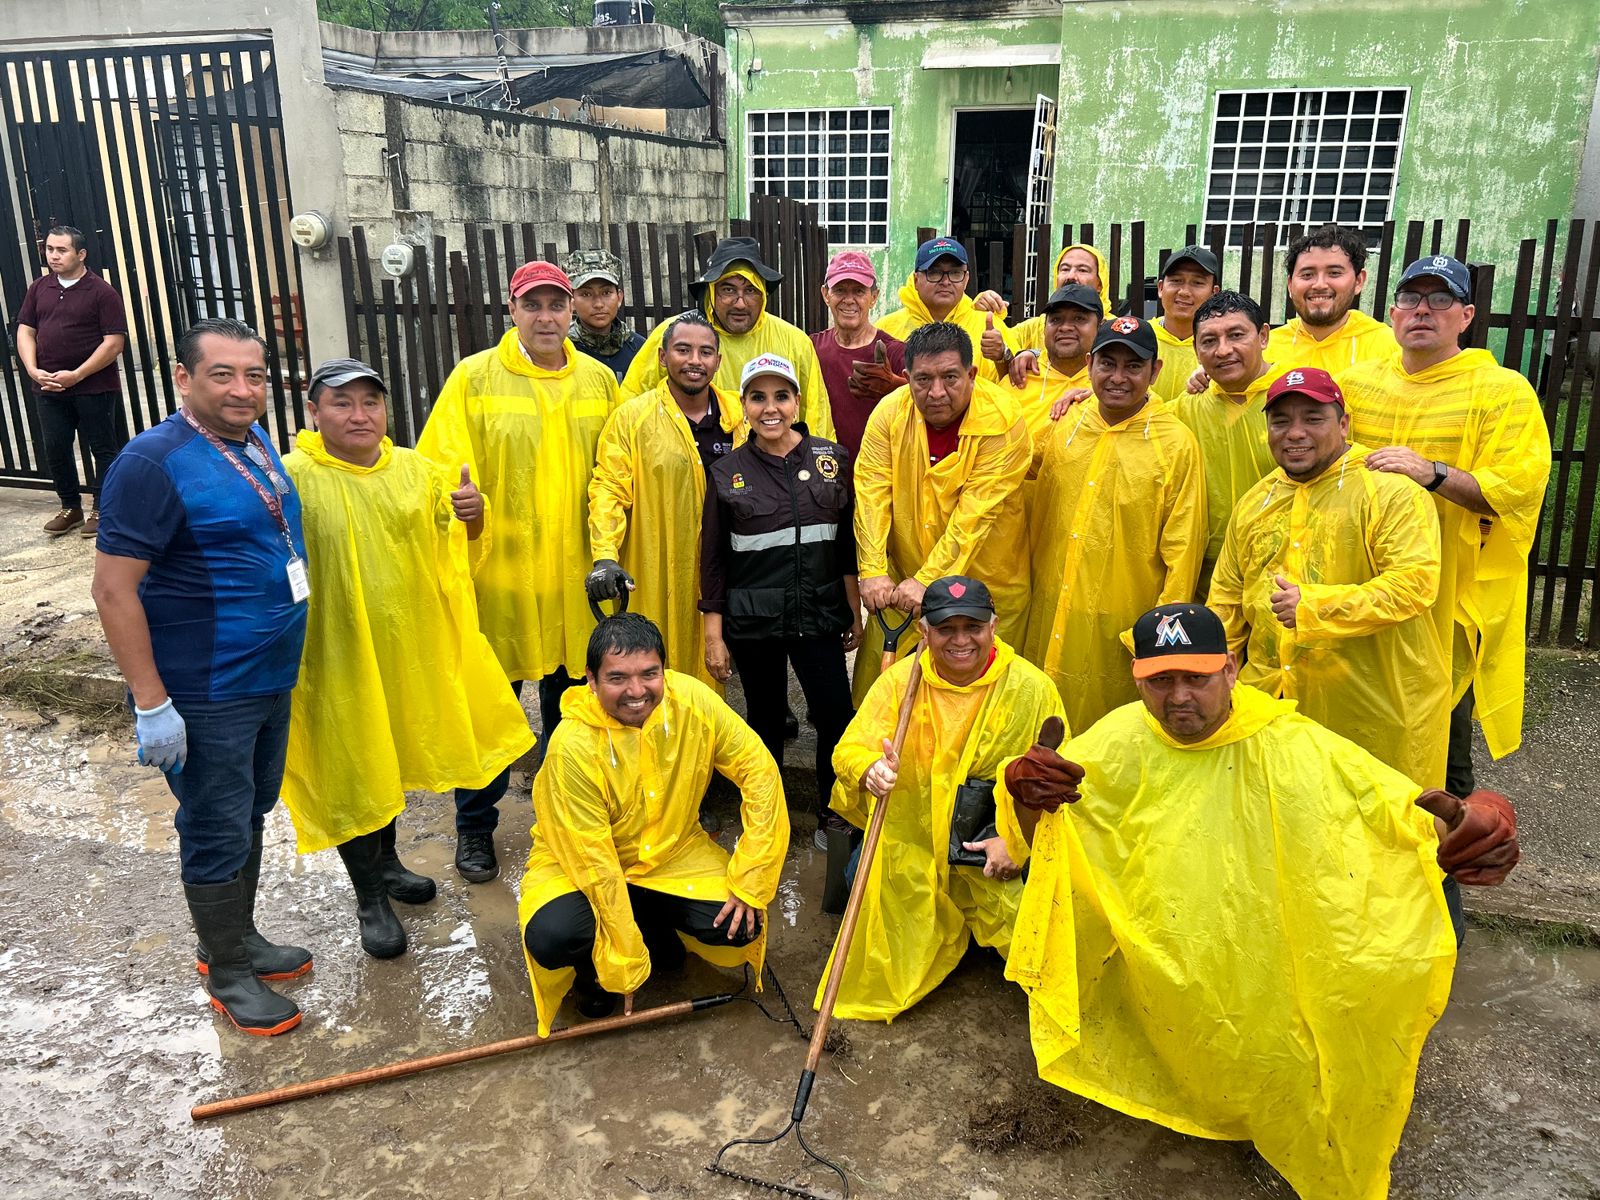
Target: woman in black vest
778, 568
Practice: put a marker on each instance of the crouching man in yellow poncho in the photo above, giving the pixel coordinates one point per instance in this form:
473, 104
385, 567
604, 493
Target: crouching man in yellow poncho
398, 690
979, 706
1238, 931
621, 876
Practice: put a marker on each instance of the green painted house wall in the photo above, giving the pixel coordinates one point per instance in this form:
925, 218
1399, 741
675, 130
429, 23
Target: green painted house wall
1500, 102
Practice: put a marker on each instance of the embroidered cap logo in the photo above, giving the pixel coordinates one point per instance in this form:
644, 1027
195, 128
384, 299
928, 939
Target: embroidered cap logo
1439, 261
1295, 379
1169, 632
958, 590
1125, 325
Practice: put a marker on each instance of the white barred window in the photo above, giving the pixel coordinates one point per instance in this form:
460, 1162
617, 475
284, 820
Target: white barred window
834, 158
1305, 157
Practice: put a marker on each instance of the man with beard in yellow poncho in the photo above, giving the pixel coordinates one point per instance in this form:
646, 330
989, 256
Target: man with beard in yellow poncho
936, 291
978, 707
398, 690
1018, 354
732, 293
1237, 930
649, 488
525, 419
621, 876
1117, 523
939, 490
1072, 317
1188, 279
1228, 419
1327, 576
1471, 432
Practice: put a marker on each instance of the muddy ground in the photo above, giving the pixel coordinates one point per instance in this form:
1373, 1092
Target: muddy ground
106, 1039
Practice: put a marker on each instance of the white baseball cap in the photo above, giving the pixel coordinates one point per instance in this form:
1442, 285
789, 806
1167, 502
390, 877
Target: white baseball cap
768, 364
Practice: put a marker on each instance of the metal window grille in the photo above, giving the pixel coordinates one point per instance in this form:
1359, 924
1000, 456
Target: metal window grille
1305, 157
836, 159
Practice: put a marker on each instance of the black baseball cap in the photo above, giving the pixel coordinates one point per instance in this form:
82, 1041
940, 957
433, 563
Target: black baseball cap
1134, 332
956, 596
337, 372
1452, 272
1078, 296
1179, 637
1198, 255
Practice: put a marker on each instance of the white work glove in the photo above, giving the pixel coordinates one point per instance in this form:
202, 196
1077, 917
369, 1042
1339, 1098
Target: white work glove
163, 737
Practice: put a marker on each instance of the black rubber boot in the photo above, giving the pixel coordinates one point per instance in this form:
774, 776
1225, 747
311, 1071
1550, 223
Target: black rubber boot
220, 920
405, 886
270, 960
382, 935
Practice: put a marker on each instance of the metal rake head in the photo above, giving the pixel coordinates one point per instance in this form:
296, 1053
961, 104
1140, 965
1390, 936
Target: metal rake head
717, 1168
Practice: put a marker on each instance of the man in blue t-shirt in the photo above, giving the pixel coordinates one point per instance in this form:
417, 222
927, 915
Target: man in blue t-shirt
200, 579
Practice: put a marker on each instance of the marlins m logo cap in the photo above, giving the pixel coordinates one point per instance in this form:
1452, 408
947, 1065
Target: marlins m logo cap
1179, 637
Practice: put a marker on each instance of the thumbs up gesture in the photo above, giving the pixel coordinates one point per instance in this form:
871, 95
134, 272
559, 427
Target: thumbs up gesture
993, 344
876, 379
467, 501
1285, 600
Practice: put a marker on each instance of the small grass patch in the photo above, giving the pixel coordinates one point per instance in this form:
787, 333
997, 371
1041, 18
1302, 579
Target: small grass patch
51, 688
1037, 1122
1539, 935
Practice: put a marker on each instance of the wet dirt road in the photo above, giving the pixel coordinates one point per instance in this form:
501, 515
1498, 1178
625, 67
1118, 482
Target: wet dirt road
106, 1041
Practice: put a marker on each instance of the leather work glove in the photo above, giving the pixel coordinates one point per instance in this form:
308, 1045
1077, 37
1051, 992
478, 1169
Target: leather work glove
874, 380
1479, 846
607, 581
163, 737
1041, 779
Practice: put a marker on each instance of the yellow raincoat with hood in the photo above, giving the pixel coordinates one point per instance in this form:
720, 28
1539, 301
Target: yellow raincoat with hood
1232, 432
1178, 362
530, 437
398, 690
960, 516
1030, 334
918, 910
1039, 393
645, 502
1477, 416
1360, 339
1364, 657
617, 806
913, 314
769, 335
1243, 938
1118, 526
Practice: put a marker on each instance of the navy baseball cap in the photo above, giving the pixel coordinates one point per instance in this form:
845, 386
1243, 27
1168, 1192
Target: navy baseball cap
1076, 295
1198, 255
1133, 332
1452, 272
956, 596
1179, 637
940, 247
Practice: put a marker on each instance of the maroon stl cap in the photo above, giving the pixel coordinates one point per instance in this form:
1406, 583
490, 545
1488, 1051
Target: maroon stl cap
539, 274
1311, 382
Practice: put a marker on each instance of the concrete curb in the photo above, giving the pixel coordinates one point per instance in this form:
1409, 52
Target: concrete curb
1486, 908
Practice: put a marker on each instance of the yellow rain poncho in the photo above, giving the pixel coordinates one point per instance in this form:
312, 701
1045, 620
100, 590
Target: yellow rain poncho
918, 910
1479, 417
617, 806
769, 335
1118, 526
1360, 339
1245, 938
398, 690
1030, 334
645, 501
1364, 657
961, 516
1038, 395
1178, 362
913, 314
1232, 432
530, 437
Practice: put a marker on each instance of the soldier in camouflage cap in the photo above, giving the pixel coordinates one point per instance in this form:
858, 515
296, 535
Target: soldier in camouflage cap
596, 330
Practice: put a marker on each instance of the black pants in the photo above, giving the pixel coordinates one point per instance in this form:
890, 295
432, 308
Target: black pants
477, 809
1459, 781
62, 418
561, 933
819, 666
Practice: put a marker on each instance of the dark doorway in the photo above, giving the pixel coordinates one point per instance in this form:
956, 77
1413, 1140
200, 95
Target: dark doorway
989, 179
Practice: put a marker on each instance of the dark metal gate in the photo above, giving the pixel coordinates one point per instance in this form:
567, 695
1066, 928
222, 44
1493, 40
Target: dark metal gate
170, 159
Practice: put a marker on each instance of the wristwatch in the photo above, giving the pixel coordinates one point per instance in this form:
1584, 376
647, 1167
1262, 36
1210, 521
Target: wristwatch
1441, 472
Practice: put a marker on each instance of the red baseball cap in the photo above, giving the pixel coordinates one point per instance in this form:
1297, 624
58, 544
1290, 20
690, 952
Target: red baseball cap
539, 274
1311, 382
851, 264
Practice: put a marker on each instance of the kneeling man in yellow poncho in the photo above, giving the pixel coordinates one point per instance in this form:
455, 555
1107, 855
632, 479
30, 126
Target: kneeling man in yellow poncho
979, 706
621, 876
1238, 930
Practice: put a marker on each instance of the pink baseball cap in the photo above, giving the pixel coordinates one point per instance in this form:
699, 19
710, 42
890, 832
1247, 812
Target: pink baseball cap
851, 264
539, 274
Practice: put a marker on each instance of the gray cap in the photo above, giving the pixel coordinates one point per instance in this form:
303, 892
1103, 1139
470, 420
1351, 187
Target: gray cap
337, 372
583, 266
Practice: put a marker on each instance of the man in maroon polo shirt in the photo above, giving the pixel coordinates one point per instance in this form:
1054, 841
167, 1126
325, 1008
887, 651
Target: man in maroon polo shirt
70, 330
860, 363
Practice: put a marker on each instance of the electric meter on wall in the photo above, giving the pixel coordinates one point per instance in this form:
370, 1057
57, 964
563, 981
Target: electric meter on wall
310, 230
398, 259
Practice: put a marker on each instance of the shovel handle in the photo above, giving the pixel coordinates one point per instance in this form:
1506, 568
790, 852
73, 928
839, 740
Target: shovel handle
891, 637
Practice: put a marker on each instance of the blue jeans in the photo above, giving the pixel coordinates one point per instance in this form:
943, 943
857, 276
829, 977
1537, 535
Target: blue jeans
476, 808
229, 783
